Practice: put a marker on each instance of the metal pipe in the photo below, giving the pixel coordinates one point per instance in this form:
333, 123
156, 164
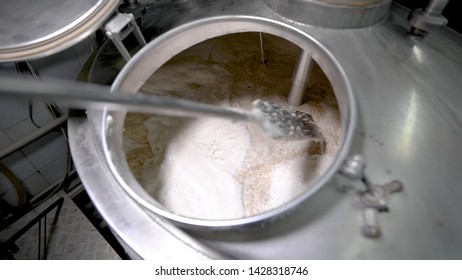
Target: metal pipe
131, 3
138, 10
436, 6
92, 96
262, 55
300, 78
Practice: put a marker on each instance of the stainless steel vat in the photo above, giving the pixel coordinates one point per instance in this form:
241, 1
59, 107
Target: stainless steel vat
408, 128
149, 59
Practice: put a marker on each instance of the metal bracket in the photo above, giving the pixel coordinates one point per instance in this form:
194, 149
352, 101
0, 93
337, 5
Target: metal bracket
119, 27
375, 197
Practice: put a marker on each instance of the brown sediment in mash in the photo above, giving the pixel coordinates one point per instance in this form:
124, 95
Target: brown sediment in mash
216, 169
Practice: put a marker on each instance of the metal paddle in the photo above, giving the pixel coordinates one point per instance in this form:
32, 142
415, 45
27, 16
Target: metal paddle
275, 120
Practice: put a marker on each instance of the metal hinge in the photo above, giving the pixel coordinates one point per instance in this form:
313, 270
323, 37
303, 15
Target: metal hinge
119, 27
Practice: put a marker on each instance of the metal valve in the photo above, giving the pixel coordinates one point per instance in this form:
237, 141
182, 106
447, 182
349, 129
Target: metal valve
375, 197
353, 167
423, 21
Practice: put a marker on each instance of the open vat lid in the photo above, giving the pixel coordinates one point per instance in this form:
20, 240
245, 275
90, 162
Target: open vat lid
35, 29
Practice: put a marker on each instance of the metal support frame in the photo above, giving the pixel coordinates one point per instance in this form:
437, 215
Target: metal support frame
8, 248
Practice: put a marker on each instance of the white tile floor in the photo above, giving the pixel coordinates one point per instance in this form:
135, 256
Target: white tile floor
69, 235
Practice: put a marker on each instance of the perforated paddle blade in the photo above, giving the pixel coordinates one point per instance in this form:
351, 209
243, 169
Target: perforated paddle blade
285, 123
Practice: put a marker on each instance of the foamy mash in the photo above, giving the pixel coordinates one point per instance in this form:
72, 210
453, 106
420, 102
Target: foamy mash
215, 169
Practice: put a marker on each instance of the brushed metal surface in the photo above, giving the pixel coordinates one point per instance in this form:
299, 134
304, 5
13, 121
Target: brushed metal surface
34, 29
333, 13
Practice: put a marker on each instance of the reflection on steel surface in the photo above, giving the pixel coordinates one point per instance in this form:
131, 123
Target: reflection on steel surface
333, 14
35, 29
409, 125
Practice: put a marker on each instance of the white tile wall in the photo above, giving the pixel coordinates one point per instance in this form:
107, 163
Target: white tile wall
41, 162
46, 149
35, 184
4, 140
13, 111
5, 184
26, 127
19, 165
20, 130
11, 197
53, 172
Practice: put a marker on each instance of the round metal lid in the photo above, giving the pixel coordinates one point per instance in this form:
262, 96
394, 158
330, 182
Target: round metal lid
34, 29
